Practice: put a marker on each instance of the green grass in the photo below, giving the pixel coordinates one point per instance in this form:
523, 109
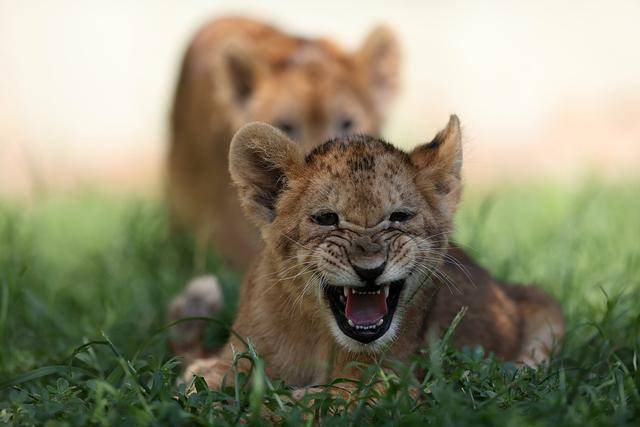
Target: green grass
85, 279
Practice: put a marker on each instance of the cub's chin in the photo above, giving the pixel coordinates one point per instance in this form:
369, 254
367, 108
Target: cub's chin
364, 314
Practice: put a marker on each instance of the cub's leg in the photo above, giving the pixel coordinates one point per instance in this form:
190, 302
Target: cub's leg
542, 323
516, 323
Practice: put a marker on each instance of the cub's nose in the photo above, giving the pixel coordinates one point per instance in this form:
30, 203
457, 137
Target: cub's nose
369, 274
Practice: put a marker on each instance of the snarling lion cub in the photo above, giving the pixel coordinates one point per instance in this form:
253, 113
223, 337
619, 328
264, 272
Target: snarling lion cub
238, 70
357, 256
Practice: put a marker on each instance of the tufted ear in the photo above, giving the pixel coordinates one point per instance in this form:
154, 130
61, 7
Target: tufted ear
379, 60
439, 163
261, 161
237, 69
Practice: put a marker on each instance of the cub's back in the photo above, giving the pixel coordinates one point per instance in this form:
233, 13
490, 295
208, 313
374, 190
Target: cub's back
273, 45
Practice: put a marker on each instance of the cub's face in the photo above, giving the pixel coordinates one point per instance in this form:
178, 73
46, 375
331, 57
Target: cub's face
359, 224
311, 89
313, 103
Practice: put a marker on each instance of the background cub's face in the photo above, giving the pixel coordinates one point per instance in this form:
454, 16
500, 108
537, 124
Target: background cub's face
358, 223
309, 88
314, 102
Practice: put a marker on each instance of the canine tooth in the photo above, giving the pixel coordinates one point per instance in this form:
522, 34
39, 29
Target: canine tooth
386, 291
353, 291
346, 292
380, 322
350, 323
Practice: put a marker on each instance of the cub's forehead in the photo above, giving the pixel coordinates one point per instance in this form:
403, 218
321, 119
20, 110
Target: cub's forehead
356, 153
360, 174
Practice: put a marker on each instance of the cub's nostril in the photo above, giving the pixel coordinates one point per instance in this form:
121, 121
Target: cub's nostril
368, 274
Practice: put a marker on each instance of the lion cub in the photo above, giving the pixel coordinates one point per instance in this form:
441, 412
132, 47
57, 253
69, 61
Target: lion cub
356, 257
238, 70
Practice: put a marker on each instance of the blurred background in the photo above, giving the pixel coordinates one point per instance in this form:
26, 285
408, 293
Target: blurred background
544, 89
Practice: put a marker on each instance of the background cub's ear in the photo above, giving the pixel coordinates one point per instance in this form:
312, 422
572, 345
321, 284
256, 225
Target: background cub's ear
238, 71
439, 163
379, 61
261, 161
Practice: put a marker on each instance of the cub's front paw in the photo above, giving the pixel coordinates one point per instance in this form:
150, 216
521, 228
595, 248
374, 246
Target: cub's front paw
210, 369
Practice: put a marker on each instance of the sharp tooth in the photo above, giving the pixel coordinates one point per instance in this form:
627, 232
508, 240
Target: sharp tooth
346, 292
378, 292
353, 291
380, 322
350, 323
386, 291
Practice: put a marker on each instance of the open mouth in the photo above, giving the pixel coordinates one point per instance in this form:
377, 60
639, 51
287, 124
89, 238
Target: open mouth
364, 313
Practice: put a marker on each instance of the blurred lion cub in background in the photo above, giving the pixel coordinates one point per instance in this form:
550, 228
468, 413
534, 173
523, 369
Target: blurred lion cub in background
238, 70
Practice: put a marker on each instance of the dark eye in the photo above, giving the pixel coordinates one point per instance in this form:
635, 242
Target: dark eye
325, 218
346, 124
287, 127
400, 216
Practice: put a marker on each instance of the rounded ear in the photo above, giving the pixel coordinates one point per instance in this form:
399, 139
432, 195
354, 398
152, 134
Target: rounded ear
238, 69
379, 60
261, 161
439, 163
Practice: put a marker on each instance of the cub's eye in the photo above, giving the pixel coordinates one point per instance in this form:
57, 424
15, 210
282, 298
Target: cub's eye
400, 216
325, 218
287, 127
346, 124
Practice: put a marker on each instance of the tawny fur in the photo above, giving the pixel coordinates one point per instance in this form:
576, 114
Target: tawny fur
238, 70
282, 308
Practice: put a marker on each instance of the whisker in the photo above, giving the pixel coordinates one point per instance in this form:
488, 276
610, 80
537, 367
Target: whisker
452, 260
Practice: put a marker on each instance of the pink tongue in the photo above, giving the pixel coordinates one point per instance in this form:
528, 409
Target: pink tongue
365, 309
